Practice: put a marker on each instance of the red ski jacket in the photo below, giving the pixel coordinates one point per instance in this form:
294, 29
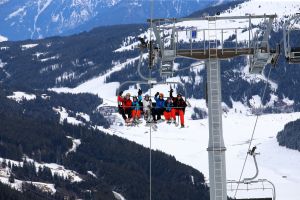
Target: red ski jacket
125, 103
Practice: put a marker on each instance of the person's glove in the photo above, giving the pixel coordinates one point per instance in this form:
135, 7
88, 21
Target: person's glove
120, 93
140, 92
156, 94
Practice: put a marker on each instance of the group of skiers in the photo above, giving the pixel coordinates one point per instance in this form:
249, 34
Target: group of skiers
131, 110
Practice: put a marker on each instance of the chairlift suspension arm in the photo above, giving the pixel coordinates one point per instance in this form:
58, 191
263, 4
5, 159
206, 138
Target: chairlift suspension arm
265, 41
176, 20
256, 168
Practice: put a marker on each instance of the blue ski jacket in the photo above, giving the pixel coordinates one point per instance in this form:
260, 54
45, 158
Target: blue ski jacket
168, 106
159, 102
136, 105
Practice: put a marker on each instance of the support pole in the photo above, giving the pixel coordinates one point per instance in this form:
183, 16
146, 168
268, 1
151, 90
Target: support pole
216, 148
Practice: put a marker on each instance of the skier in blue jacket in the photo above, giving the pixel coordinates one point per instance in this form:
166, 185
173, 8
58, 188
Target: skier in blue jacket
159, 108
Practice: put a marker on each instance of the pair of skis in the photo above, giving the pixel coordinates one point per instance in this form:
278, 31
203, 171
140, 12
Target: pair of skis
137, 122
132, 122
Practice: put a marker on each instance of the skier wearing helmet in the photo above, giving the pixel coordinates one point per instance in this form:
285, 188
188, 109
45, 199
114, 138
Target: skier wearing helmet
169, 112
159, 108
147, 107
136, 109
124, 104
179, 105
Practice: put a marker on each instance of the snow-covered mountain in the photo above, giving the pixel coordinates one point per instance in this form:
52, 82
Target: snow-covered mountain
41, 18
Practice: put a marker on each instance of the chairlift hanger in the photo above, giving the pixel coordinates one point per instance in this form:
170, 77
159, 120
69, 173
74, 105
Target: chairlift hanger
292, 54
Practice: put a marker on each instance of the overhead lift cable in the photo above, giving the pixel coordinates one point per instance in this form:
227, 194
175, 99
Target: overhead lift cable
253, 132
150, 75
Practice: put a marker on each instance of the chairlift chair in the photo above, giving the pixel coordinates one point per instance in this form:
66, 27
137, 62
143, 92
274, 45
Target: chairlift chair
256, 199
252, 180
152, 83
292, 53
258, 185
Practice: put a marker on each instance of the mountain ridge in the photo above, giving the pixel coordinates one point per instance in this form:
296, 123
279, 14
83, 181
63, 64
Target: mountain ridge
34, 19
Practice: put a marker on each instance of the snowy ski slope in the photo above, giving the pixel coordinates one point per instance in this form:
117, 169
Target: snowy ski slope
277, 164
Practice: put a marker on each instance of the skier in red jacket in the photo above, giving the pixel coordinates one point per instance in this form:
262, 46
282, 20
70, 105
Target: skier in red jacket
179, 106
124, 105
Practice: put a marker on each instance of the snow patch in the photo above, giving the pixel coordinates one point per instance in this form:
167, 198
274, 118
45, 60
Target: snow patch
50, 68
50, 58
84, 116
21, 96
5, 173
46, 187
38, 54
64, 115
19, 12
75, 145
288, 102
192, 179
255, 102
272, 101
61, 171
255, 78
2, 64
65, 76
28, 46
45, 96
55, 168
92, 174
118, 196
17, 185
2, 39
3, 48
127, 44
